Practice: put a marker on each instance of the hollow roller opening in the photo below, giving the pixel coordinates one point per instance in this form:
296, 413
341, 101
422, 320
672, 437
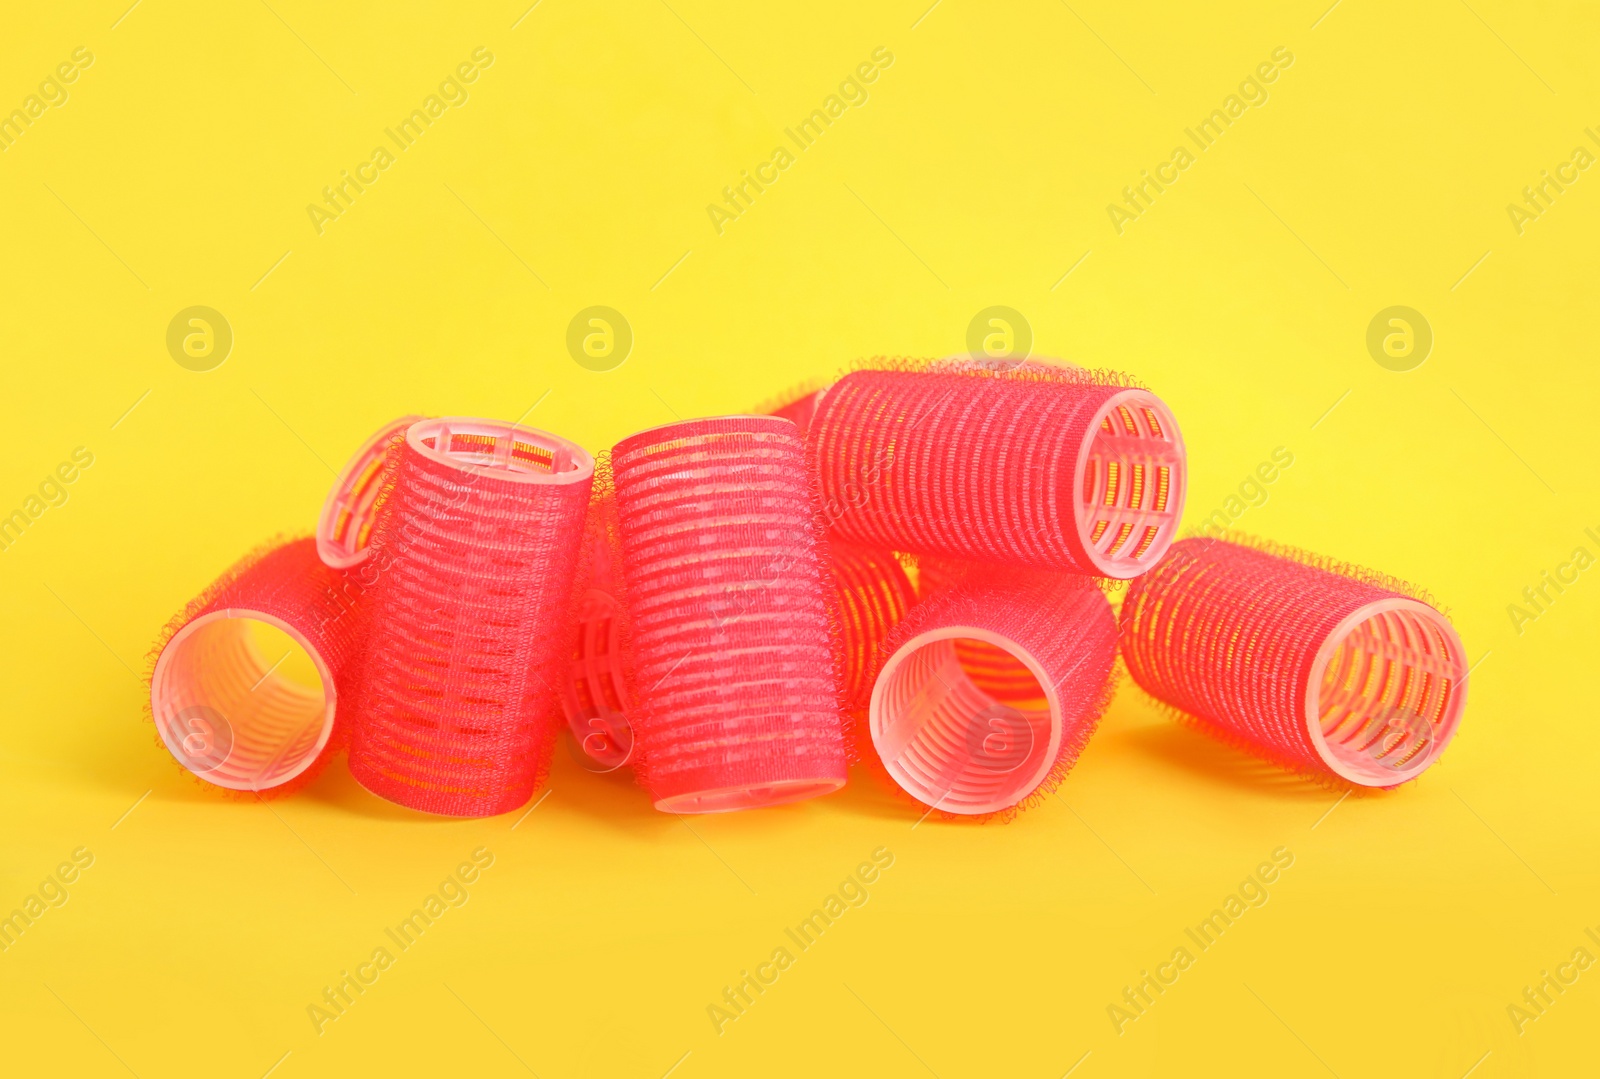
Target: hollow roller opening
344, 528
1131, 484
242, 700
594, 695
964, 721
502, 448
1386, 692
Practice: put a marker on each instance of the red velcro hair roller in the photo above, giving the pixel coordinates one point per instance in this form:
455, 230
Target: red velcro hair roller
1324, 668
471, 575
1055, 468
732, 655
873, 596
223, 708
872, 593
594, 696
992, 688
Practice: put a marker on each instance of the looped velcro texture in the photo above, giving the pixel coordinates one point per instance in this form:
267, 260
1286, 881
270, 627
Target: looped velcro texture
1050, 468
731, 648
471, 572
992, 688
225, 710
1316, 667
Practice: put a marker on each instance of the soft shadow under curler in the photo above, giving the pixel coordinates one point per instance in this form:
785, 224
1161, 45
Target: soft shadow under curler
732, 654
1033, 465
1327, 669
991, 689
469, 580
222, 694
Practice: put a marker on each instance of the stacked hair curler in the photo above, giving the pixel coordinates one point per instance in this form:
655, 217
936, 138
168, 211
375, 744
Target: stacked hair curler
908, 567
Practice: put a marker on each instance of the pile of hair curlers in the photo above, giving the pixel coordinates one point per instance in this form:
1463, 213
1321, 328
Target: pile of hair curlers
908, 568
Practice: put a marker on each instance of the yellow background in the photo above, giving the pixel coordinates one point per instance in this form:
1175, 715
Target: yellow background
978, 173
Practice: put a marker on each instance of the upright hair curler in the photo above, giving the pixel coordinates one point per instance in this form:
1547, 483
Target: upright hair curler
871, 593
1029, 464
470, 577
991, 689
733, 660
225, 709
1324, 668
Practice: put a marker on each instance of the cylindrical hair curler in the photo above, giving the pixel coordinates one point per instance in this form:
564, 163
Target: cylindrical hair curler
594, 695
733, 661
871, 590
874, 594
471, 577
1054, 468
991, 690
1324, 668
344, 528
226, 710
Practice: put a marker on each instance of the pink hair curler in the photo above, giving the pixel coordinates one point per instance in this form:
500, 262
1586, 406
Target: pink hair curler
471, 576
344, 527
733, 658
1034, 465
225, 710
1325, 668
874, 594
594, 696
991, 689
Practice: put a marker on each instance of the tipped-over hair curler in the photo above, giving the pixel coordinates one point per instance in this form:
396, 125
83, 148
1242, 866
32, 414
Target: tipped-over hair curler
1053, 468
1325, 668
221, 691
991, 689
